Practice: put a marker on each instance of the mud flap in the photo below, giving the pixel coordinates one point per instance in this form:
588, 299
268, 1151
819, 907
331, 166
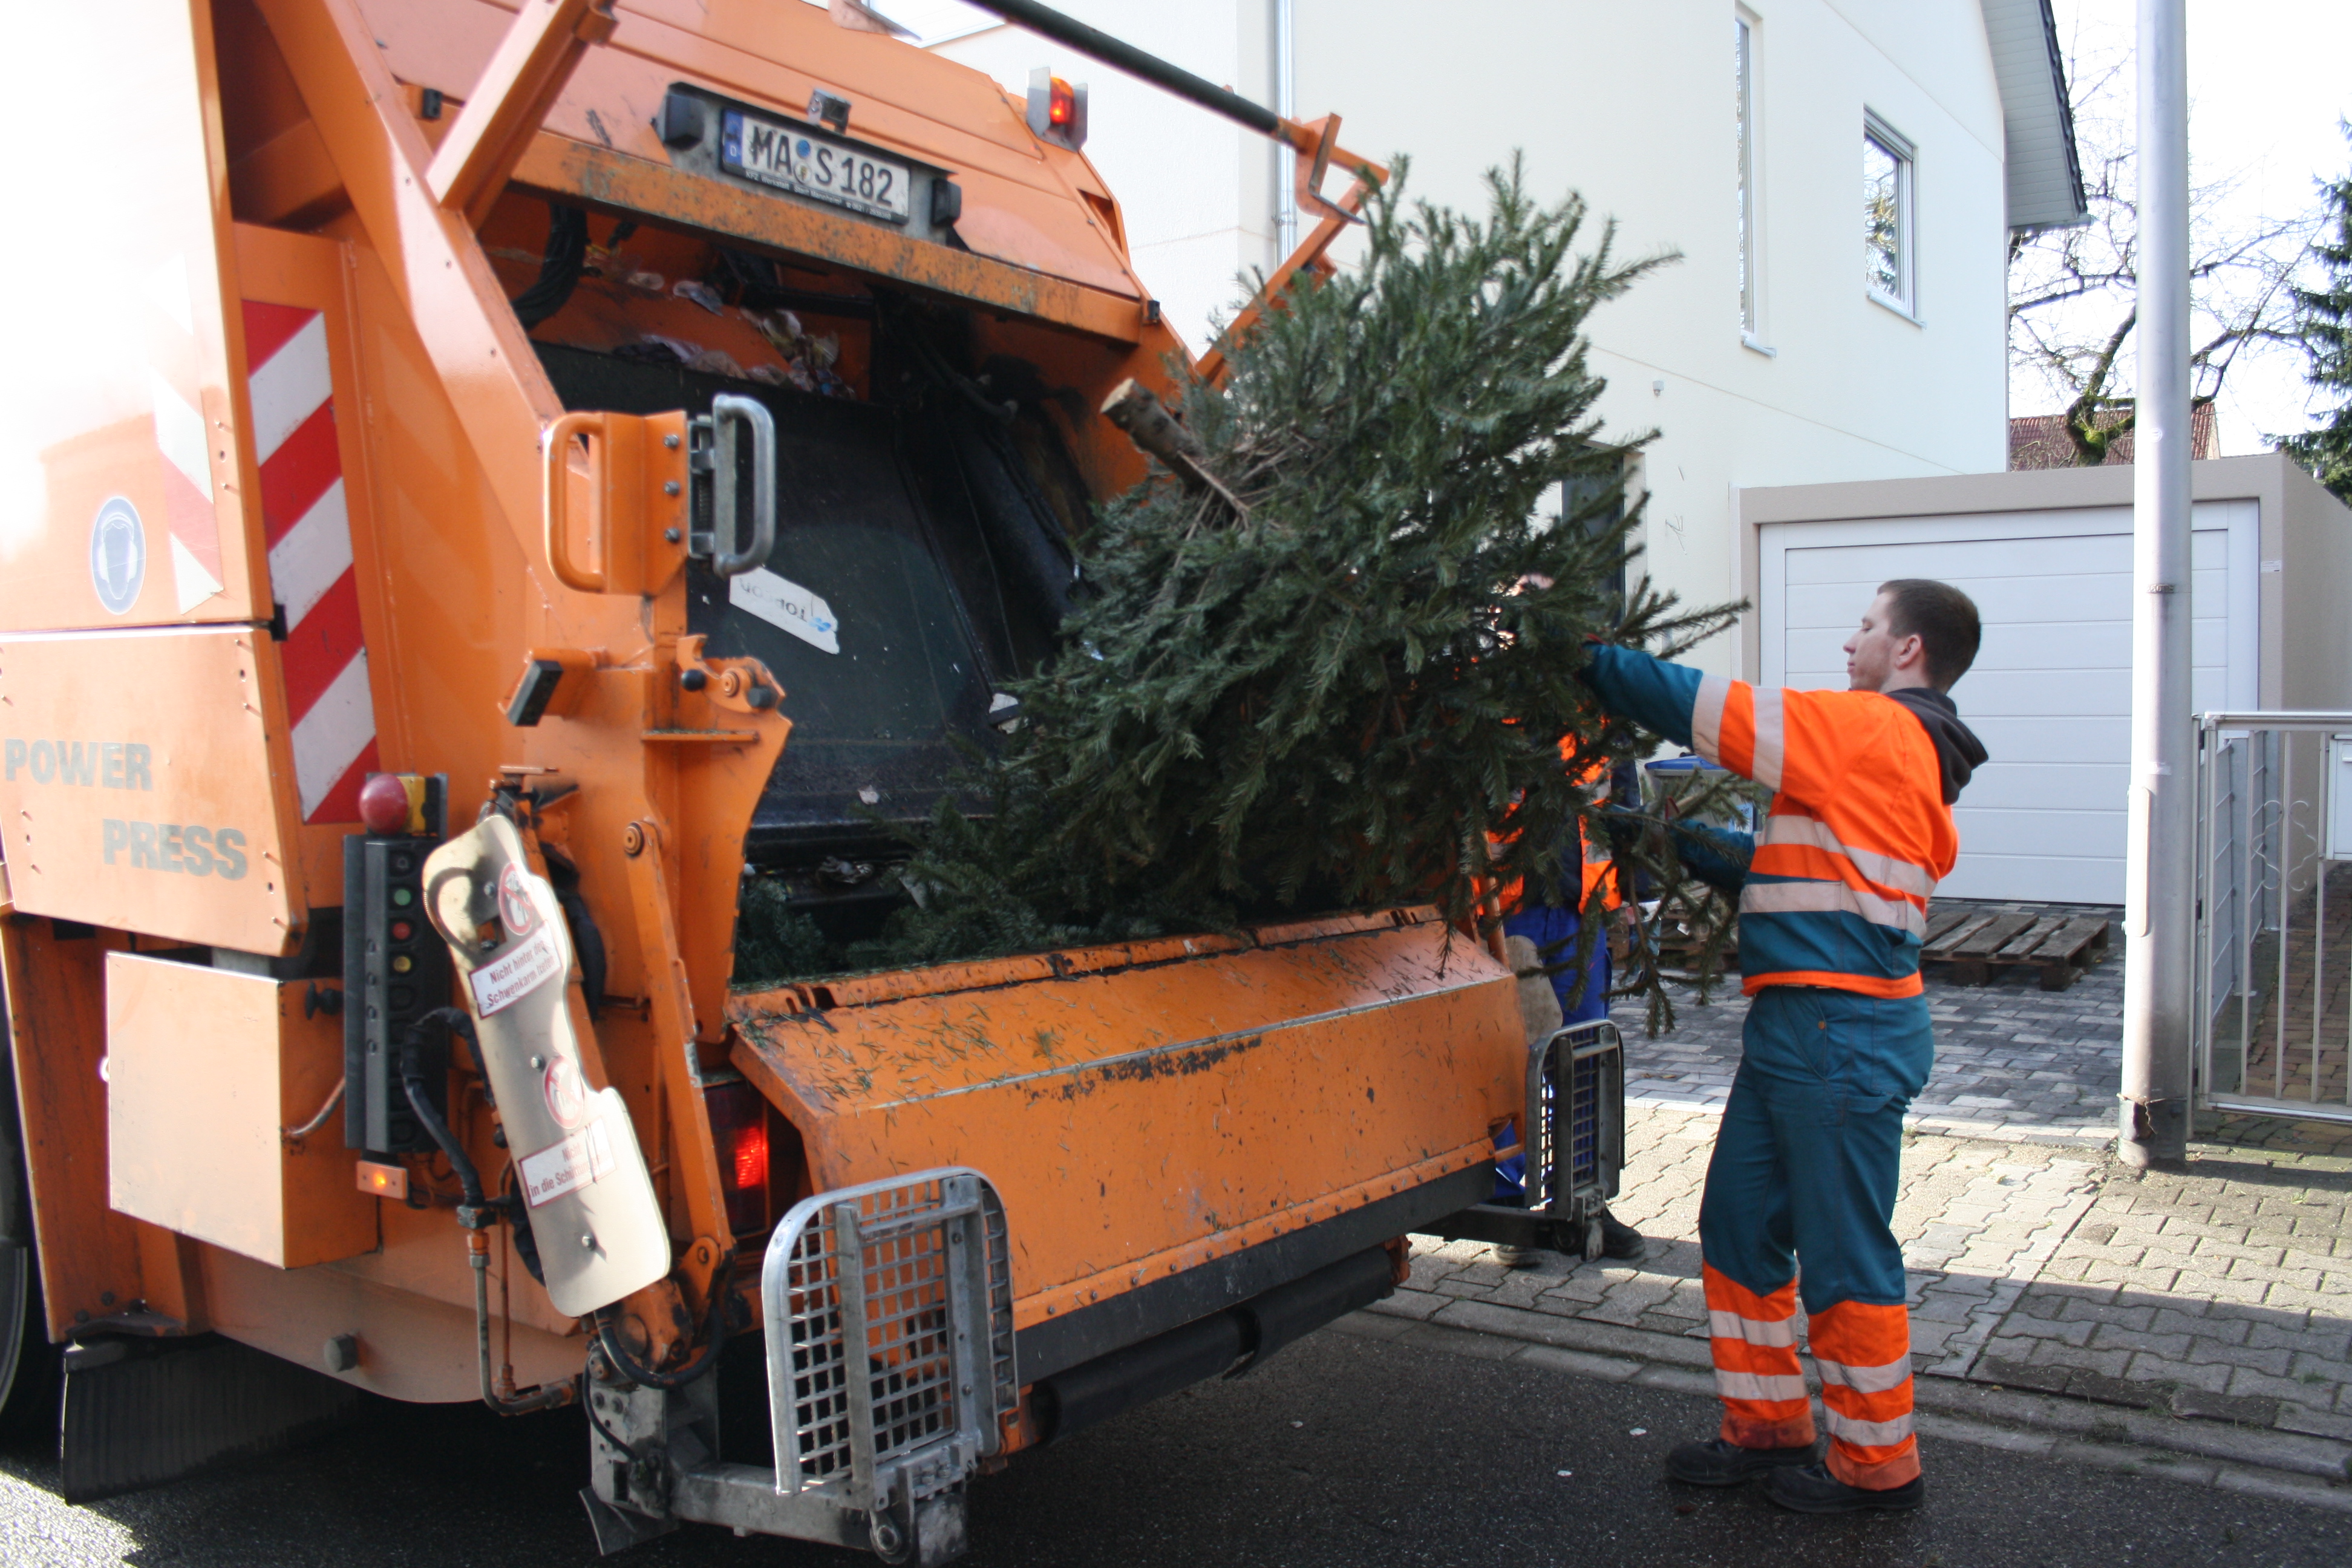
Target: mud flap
141, 1412
618, 1529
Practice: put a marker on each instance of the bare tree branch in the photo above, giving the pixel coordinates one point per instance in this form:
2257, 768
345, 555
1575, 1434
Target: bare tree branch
2072, 293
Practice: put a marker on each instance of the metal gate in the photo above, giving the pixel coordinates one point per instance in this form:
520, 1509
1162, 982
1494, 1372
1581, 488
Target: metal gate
2273, 1010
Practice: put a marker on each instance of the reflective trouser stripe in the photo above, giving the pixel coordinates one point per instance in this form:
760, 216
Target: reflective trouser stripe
1870, 1434
1732, 1326
1864, 1379
1863, 1351
1754, 1343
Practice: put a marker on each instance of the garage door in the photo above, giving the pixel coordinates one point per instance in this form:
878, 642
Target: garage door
2050, 692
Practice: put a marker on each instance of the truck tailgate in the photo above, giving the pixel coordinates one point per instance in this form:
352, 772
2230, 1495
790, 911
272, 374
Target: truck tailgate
1146, 1109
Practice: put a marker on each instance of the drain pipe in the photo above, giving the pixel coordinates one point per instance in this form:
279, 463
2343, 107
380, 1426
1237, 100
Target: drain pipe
2159, 947
1285, 104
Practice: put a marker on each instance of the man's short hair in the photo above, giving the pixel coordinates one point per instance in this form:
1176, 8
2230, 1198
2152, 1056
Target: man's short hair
1942, 617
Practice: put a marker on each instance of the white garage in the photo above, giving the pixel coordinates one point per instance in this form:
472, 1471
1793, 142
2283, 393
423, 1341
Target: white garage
2047, 557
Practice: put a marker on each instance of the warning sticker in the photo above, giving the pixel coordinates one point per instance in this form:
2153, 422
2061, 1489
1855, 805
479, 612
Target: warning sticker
567, 1095
583, 1158
514, 902
515, 974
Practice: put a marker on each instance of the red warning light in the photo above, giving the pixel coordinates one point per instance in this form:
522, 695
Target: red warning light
738, 1126
1057, 108
751, 1158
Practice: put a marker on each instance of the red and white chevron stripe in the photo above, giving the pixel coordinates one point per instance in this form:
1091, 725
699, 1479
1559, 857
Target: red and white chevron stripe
308, 531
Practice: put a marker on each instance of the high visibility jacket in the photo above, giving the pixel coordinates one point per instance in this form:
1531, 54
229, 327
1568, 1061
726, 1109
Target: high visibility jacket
1859, 834
1590, 848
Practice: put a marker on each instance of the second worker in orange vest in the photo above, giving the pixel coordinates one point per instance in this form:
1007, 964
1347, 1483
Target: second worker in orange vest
1833, 904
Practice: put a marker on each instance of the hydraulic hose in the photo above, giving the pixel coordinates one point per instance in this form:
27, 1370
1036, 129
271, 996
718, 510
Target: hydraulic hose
412, 1078
476, 1213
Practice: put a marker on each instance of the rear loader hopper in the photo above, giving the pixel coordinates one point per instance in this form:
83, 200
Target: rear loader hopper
542, 464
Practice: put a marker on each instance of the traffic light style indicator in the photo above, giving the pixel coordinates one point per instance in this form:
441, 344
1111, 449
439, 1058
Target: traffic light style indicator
395, 969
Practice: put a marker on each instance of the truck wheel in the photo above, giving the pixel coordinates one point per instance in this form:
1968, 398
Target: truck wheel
29, 1364
29, 1369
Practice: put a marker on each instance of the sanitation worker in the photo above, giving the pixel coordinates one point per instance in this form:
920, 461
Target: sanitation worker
1832, 903
1555, 932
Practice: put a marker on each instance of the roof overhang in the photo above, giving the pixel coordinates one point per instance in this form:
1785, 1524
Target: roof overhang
2043, 171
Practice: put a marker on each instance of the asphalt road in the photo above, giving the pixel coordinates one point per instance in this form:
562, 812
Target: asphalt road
1345, 1452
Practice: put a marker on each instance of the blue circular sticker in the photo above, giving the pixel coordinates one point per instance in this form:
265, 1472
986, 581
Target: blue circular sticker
118, 555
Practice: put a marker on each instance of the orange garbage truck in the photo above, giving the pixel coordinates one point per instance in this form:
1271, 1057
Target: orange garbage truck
486, 479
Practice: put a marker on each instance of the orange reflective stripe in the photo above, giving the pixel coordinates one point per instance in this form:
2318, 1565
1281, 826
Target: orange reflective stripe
1889, 1410
1596, 875
1833, 980
1790, 836
1828, 865
1863, 1351
1725, 1294
1757, 1374
1861, 1334
1733, 1355
1738, 743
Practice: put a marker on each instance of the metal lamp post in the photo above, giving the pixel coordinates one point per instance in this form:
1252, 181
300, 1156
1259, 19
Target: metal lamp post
2161, 878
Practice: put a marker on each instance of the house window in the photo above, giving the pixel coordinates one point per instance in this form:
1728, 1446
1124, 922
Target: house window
1888, 232
1743, 71
1585, 499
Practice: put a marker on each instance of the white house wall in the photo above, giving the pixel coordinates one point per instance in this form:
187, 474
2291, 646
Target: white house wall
1634, 106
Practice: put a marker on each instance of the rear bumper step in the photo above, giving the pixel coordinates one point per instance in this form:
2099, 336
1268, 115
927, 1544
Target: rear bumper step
1057, 1344
1229, 1342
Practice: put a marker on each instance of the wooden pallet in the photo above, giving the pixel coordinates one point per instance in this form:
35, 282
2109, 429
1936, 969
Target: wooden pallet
1974, 945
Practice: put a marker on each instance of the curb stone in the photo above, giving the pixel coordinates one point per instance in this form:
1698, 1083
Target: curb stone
2286, 1466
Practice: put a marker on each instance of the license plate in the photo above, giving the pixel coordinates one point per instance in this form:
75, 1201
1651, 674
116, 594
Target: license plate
794, 158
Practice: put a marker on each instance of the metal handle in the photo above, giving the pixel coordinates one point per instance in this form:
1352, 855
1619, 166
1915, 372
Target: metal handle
555, 505
728, 413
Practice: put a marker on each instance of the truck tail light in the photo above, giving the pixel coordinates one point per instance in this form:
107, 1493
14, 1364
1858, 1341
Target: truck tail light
739, 1130
751, 1159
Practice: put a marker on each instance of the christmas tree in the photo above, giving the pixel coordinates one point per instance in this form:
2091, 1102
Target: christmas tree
2323, 326
1329, 659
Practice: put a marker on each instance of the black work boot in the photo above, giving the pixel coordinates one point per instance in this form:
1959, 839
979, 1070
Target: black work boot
1812, 1489
1719, 1462
1619, 1240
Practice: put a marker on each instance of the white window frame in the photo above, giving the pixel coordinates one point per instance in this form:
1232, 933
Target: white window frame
1747, 127
1905, 153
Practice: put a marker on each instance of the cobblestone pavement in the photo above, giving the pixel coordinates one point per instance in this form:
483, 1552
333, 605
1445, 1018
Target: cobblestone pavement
2199, 1304
2012, 1061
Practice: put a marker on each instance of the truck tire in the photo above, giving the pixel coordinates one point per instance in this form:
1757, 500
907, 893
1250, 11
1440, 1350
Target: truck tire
29, 1365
